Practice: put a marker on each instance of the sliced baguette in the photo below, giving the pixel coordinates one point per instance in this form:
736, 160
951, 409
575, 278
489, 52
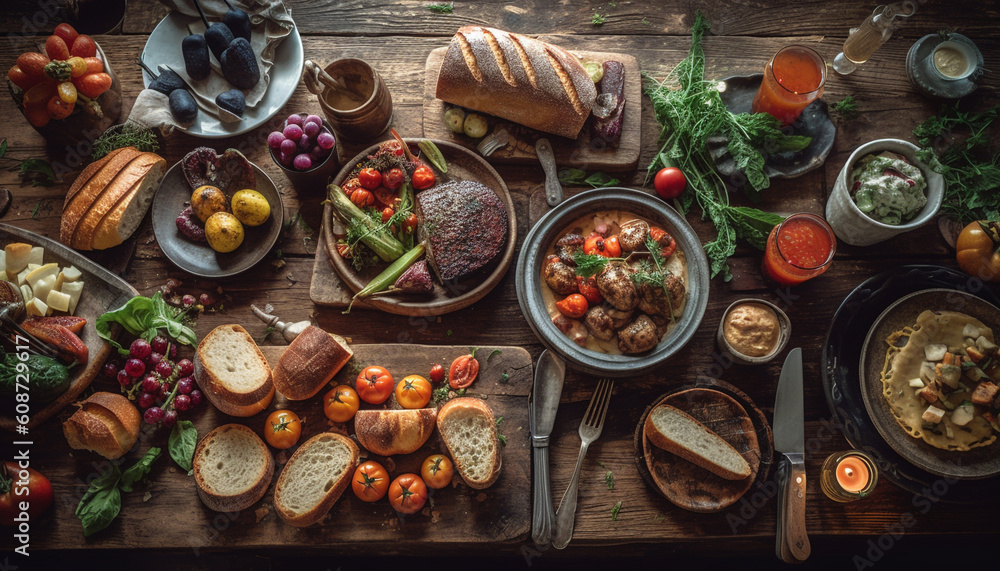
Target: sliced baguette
314, 478
232, 372
309, 363
87, 189
676, 431
232, 468
469, 432
391, 432
126, 215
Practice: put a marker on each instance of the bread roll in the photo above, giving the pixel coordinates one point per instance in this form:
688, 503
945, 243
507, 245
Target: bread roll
309, 363
105, 423
232, 372
390, 432
469, 430
518, 78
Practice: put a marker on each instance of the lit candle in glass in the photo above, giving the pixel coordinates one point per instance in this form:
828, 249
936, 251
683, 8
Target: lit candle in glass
848, 476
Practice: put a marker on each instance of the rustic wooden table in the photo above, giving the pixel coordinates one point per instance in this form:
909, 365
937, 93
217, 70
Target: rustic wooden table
396, 36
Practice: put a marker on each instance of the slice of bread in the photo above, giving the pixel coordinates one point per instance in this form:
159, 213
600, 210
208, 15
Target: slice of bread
469, 431
232, 372
676, 431
314, 478
232, 468
391, 432
309, 363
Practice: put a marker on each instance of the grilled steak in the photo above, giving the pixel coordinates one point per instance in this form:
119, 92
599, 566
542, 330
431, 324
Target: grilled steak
463, 224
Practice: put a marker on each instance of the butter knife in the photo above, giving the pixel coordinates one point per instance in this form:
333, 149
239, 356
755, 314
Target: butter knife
792, 541
553, 188
545, 394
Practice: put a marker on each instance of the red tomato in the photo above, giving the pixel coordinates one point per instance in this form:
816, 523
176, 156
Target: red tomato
437, 373
371, 482
385, 196
83, 46
670, 183
350, 185
408, 494
362, 198
20, 79
370, 178
394, 178
410, 224
33, 488
588, 288
423, 177
56, 48
463, 371
597, 245
66, 32
387, 213
374, 385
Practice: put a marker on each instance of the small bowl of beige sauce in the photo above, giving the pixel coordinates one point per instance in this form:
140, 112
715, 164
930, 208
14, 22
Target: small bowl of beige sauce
753, 331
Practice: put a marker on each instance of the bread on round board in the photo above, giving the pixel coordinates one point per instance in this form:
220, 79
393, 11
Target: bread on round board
106, 423
309, 362
232, 372
397, 431
469, 431
675, 431
314, 478
232, 468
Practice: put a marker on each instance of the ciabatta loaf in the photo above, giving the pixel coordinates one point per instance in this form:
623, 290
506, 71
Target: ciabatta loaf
232, 372
518, 78
309, 363
469, 431
678, 432
391, 432
105, 423
232, 468
314, 477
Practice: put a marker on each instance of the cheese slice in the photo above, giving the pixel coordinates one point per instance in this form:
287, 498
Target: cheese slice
41, 273
58, 301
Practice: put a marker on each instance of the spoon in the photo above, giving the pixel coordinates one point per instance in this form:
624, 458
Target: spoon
12, 310
315, 76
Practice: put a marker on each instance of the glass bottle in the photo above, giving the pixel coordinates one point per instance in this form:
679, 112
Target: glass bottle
872, 33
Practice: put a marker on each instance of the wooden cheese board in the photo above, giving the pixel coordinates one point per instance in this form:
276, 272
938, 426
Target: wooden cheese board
578, 153
172, 516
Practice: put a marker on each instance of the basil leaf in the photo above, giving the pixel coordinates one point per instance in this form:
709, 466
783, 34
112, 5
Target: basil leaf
600, 179
753, 225
38, 172
182, 442
139, 471
569, 177
143, 316
102, 502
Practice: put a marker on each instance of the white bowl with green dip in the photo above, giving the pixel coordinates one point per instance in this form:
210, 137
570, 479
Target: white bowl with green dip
883, 190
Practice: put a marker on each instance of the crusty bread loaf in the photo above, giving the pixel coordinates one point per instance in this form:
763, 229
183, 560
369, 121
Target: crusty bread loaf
469, 431
314, 477
678, 432
309, 363
232, 468
518, 78
232, 372
390, 432
107, 201
105, 423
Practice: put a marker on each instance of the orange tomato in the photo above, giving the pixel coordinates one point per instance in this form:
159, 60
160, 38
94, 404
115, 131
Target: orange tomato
370, 482
340, 404
597, 245
437, 471
282, 429
413, 391
977, 250
407, 494
374, 385
573, 306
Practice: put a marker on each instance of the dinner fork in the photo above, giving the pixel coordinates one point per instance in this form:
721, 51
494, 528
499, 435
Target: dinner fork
494, 142
590, 430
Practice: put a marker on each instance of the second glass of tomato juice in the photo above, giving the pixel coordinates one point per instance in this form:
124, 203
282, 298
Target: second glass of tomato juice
793, 79
798, 249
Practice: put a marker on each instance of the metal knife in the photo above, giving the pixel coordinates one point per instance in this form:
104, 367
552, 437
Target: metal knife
792, 544
553, 188
545, 394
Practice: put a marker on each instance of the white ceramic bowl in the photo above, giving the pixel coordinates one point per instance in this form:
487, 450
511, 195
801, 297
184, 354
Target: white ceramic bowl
857, 228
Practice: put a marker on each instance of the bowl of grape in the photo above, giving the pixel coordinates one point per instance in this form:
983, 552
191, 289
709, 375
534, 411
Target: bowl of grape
305, 149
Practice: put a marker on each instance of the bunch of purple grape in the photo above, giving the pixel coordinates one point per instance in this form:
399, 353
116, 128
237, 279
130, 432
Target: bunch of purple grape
302, 143
159, 384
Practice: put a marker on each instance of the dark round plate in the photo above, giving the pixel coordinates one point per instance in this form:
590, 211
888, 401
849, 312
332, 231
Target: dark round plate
840, 371
197, 258
814, 122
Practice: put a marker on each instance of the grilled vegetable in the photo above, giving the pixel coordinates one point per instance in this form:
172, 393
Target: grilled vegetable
239, 64
233, 101
183, 107
376, 237
389, 275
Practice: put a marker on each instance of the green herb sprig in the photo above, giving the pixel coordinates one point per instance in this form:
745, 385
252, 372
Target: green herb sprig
846, 108
36, 172
590, 264
597, 19
442, 8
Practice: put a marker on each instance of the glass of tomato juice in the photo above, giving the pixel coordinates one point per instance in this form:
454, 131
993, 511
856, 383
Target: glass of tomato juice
793, 79
798, 249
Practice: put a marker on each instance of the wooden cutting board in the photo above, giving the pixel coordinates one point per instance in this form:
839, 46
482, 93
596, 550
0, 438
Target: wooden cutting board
577, 153
173, 516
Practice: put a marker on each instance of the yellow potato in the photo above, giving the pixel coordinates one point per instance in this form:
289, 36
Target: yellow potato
207, 200
223, 232
250, 207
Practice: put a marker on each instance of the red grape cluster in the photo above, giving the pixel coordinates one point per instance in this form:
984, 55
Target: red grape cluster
152, 376
302, 143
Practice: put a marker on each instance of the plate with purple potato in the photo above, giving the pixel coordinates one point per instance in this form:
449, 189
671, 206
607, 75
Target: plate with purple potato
216, 214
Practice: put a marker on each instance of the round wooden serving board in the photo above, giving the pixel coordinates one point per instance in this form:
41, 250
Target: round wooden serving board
731, 414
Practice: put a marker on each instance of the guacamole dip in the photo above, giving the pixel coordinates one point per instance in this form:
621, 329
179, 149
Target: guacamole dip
888, 188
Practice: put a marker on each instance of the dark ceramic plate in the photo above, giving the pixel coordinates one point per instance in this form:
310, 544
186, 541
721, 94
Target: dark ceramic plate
926, 82
841, 364
814, 122
198, 258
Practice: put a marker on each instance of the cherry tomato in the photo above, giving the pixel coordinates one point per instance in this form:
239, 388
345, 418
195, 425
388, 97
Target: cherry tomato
437, 471
374, 385
597, 245
423, 177
976, 250
56, 48
17, 76
410, 224
59, 109
370, 178
362, 198
83, 46
350, 186
18, 485
66, 32
670, 183
666, 242
282, 429
394, 178
413, 391
463, 371
370, 482
385, 196
340, 404
588, 289
407, 494
387, 213
573, 306
437, 373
